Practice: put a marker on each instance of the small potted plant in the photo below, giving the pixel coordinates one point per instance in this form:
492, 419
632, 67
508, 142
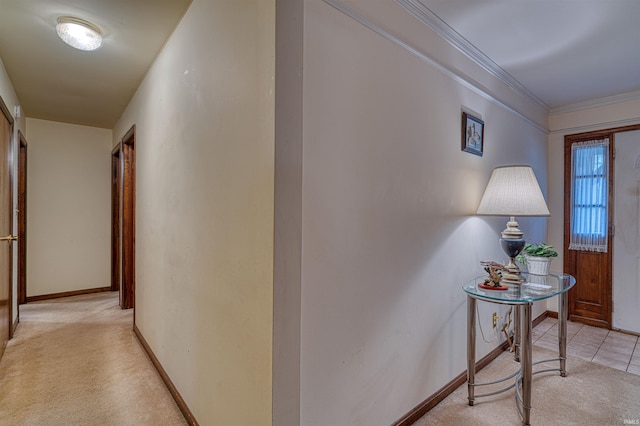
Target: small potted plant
537, 258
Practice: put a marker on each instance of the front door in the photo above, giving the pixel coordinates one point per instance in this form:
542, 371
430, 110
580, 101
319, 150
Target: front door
6, 227
588, 218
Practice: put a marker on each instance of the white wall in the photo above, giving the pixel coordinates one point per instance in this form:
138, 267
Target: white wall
388, 224
8, 95
204, 118
68, 207
626, 242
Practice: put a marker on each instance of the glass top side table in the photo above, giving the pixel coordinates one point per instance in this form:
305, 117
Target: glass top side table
521, 297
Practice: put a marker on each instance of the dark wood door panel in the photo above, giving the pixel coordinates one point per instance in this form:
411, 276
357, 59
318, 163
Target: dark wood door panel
590, 299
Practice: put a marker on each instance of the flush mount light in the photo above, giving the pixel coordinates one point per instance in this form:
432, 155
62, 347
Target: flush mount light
78, 33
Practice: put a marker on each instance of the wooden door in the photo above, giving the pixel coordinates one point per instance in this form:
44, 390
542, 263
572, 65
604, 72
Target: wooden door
22, 219
6, 227
590, 299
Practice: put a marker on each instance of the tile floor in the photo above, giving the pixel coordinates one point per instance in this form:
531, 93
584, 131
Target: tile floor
599, 345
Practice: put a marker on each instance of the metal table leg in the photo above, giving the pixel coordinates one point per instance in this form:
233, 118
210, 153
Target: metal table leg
471, 347
563, 308
526, 363
516, 333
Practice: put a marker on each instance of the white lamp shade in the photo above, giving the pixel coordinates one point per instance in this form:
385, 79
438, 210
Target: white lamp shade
513, 191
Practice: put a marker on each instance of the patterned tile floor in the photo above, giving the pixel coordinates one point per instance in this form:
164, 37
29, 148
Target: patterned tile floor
599, 345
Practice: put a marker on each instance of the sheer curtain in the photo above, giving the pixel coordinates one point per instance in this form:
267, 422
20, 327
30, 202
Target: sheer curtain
589, 195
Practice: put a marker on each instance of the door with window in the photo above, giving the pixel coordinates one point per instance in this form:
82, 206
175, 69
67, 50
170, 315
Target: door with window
588, 218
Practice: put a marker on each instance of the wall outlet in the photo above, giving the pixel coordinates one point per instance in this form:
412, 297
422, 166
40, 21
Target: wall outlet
494, 320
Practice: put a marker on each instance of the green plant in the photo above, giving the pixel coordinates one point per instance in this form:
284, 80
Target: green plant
536, 250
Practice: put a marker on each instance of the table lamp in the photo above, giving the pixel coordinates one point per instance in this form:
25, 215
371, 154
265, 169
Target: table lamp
512, 191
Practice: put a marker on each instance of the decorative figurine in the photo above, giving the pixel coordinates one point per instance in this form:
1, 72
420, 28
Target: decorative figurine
494, 269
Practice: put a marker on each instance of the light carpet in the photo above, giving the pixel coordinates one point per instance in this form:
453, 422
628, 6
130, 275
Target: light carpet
590, 395
77, 361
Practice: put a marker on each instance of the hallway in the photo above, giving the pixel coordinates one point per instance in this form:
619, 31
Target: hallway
77, 361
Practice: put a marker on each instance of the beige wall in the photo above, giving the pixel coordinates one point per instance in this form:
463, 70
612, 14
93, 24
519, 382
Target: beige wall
68, 207
204, 119
389, 233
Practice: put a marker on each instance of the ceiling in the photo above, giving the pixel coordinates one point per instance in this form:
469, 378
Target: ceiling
556, 52
56, 82
561, 52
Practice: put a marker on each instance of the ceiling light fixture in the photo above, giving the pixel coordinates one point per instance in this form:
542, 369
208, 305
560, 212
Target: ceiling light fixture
78, 33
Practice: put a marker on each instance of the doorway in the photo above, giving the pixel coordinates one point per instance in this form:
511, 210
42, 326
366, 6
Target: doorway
123, 214
116, 207
591, 260
22, 219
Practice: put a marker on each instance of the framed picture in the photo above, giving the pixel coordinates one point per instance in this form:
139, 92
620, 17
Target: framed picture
472, 134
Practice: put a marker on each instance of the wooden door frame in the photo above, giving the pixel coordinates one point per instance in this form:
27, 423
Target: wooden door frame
128, 154
116, 207
9, 117
22, 219
569, 264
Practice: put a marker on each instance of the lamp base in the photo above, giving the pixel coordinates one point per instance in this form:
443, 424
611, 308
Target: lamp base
512, 247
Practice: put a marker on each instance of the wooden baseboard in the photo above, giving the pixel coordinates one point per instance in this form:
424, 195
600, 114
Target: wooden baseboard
182, 405
66, 294
428, 404
551, 314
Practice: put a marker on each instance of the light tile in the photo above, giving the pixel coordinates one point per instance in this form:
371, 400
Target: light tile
616, 348
607, 362
536, 334
589, 347
634, 369
621, 337
587, 339
594, 331
545, 342
606, 356
581, 353
545, 325
609, 348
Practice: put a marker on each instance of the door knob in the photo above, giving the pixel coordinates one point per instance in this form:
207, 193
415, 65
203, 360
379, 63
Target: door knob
9, 238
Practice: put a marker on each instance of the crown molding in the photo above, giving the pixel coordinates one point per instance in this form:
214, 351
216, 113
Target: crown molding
612, 124
453, 74
433, 21
594, 103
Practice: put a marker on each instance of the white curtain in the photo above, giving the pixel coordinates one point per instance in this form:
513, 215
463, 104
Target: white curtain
589, 195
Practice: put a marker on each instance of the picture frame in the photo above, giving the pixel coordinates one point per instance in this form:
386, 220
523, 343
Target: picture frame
472, 134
